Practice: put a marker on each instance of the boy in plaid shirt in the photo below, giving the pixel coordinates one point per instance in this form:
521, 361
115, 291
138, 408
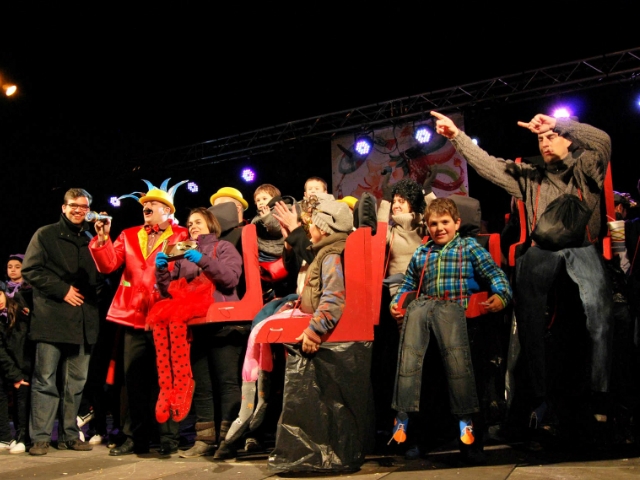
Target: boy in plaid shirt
444, 270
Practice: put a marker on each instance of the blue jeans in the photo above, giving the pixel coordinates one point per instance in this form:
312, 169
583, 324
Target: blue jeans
73, 361
536, 271
449, 325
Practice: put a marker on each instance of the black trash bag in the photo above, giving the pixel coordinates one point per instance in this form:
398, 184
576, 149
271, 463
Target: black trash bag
328, 417
563, 224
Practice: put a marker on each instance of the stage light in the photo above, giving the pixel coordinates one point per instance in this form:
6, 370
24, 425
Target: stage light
561, 112
248, 175
363, 145
422, 134
114, 201
192, 187
474, 140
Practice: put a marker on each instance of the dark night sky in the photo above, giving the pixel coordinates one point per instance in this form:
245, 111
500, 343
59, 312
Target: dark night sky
99, 87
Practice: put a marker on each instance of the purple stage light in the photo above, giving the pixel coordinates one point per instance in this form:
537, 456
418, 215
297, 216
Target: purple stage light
114, 201
248, 175
561, 112
192, 187
422, 134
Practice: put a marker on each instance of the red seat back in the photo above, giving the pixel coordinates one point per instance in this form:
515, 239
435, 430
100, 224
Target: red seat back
378, 252
363, 264
611, 212
474, 308
250, 304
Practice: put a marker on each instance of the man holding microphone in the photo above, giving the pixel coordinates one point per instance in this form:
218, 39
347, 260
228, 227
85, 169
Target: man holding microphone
136, 248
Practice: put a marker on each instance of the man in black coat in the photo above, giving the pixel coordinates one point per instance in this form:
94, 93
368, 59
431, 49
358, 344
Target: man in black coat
64, 324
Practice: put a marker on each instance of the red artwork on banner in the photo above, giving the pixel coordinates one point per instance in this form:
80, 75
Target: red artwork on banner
397, 153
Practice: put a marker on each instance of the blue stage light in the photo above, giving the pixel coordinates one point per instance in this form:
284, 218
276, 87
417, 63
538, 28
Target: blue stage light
422, 134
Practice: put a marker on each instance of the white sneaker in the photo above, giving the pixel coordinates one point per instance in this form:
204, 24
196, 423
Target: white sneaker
7, 445
96, 440
18, 448
84, 419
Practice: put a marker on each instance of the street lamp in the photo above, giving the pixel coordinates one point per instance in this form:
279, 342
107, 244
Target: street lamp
9, 89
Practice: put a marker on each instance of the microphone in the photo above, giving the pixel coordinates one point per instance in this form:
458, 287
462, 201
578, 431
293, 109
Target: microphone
96, 217
385, 170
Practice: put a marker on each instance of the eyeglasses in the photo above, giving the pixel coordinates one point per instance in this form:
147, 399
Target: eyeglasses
75, 206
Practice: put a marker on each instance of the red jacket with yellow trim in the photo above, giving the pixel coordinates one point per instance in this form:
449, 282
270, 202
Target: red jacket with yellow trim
136, 292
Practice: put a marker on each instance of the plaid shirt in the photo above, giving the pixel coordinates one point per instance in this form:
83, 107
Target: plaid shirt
450, 271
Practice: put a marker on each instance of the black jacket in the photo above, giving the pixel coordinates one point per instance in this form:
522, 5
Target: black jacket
16, 350
56, 258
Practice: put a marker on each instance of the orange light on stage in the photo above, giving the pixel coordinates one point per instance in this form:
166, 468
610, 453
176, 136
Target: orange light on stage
9, 89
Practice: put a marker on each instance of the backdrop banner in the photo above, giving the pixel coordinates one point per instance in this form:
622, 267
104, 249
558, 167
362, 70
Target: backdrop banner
396, 149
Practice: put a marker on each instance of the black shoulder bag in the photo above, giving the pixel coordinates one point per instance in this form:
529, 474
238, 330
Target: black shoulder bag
563, 223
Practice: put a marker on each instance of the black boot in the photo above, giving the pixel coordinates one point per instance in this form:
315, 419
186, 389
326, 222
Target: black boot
225, 451
264, 389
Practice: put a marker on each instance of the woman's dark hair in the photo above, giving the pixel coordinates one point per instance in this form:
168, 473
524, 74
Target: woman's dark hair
212, 222
11, 305
411, 191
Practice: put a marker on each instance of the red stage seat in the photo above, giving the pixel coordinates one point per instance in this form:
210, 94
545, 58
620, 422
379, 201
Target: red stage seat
490, 241
363, 265
250, 304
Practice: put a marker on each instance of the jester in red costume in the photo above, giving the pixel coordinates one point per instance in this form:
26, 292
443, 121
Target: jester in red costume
135, 249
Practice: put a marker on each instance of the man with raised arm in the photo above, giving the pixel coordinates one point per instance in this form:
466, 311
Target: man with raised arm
576, 156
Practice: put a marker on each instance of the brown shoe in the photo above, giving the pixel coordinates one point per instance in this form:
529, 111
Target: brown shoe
39, 448
78, 445
199, 449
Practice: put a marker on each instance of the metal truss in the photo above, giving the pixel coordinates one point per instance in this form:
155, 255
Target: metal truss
618, 67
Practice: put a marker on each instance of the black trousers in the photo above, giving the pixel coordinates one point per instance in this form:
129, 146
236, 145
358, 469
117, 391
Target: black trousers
141, 380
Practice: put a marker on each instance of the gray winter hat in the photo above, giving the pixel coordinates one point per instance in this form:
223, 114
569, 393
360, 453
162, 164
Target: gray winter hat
332, 216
